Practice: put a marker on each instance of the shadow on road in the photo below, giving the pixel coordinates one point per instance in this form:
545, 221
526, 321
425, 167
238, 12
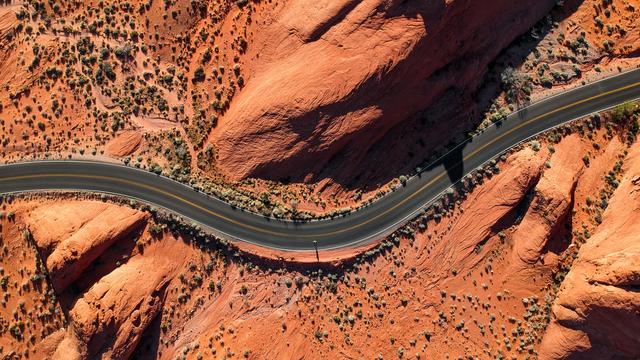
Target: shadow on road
454, 164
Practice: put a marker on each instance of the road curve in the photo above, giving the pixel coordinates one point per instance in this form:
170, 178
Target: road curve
370, 223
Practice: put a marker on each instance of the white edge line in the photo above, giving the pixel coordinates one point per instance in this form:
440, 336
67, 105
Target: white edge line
369, 239
414, 214
411, 178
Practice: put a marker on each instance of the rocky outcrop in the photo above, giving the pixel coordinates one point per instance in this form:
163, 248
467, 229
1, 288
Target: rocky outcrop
125, 144
489, 205
55, 222
597, 312
75, 253
347, 72
551, 204
111, 316
114, 298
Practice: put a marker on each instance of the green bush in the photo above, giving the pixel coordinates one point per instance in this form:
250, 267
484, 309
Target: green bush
199, 74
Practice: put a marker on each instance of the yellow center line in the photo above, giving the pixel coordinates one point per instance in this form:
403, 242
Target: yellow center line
551, 113
439, 176
276, 233
144, 186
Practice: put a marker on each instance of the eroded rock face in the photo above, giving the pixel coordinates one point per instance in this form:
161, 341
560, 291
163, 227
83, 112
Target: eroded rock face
112, 291
345, 73
110, 318
597, 312
90, 229
125, 144
489, 206
552, 201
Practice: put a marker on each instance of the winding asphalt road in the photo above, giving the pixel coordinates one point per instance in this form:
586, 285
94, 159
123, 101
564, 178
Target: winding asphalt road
370, 223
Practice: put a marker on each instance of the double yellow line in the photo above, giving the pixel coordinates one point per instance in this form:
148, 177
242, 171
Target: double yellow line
367, 221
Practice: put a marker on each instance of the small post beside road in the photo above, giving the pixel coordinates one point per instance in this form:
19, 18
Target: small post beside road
315, 245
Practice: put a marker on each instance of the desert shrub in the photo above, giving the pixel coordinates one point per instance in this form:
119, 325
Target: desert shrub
546, 82
403, 180
155, 230
199, 75
123, 52
622, 111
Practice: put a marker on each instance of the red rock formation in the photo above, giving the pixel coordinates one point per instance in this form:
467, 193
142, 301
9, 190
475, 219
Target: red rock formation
111, 316
552, 202
597, 313
102, 226
125, 144
346, 73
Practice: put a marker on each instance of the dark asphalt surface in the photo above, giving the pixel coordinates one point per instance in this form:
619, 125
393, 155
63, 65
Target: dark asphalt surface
368, 224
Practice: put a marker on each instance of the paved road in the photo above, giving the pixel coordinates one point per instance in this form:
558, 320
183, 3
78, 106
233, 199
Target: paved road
370, 223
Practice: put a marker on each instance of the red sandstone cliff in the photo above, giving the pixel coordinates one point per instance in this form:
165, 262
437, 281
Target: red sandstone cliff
344, 73
597, 313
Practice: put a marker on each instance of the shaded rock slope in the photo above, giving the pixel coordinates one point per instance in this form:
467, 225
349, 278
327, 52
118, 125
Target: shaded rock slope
597, 314
376, 63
